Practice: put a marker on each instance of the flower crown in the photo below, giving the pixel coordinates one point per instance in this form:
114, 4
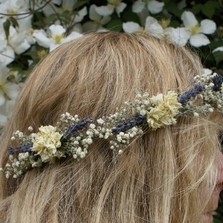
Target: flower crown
72, 136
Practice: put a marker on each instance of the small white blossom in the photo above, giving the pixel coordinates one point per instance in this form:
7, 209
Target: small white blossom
17, 40
120, 151
113, 5
52, 7
7, 54
14, 6
131, 27
195, 114
218, 49
82, 155
55, 38
152, 27
197, 31
207, 72
138, 6
210, 109
100, 121
152, 5
80, 15
89, 141
8, 90
97, 20
92, 126
30, 128
23, 156
178, 35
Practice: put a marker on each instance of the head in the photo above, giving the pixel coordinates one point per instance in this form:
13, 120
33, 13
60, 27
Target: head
165, 176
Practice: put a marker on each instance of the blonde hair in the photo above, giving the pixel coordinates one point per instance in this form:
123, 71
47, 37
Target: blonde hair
161, 176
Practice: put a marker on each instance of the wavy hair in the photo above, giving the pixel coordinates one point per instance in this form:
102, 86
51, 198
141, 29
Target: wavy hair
165, 176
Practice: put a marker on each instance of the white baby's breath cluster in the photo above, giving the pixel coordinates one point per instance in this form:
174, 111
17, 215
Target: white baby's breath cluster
207, 101
124, 138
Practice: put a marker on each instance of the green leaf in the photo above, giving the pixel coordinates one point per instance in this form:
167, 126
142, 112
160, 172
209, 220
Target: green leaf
216, 43
51, 19
197, 8
6, 26
81, 3
218, 55
174, 23
217, 221
36, 53
208, 9
129, 15
115, 25
172, 7
38, 20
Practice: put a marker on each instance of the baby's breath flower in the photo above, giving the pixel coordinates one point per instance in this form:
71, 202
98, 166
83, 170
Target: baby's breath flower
100, 121
30, 128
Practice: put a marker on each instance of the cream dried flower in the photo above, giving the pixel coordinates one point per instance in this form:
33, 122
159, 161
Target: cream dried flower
222, 88
46, 142
165, 109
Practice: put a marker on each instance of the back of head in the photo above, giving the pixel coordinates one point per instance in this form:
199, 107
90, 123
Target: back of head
154, 180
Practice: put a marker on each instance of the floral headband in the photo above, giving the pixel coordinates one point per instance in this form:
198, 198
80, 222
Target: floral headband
72, 136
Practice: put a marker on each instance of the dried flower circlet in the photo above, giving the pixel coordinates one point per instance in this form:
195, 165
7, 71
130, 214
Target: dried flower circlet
72, 136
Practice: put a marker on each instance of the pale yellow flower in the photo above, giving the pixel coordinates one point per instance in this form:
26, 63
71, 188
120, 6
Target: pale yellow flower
222, 88
46, 142
164, 111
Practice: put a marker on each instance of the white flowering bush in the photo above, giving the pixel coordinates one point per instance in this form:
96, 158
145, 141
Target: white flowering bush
30, 29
